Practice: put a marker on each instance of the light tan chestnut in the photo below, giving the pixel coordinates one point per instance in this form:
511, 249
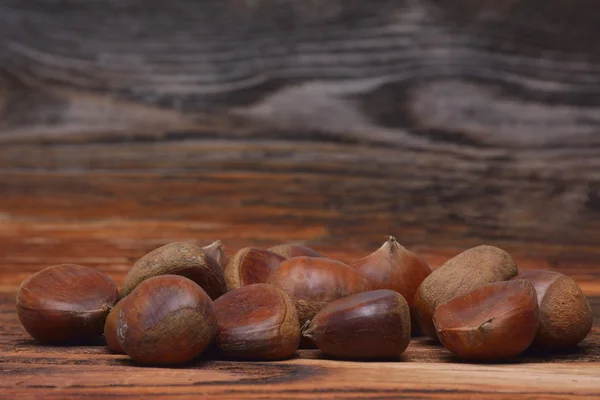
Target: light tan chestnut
294, 250
394, 267
251, 265
312, 283
565, 313
461, 274
256, 322
66, 304
180, 258
497, 321
167, 319
367, 325
110, 329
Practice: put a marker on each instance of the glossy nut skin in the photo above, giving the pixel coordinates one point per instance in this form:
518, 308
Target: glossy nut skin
256, 322
66, 303
110, 329
497, 321
178, 258
251, 265
394, 267
565, 313
367, 325
312, 283
467, 271
294, 250
167, 319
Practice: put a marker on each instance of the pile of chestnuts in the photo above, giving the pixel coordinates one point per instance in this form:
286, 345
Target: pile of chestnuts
181, 300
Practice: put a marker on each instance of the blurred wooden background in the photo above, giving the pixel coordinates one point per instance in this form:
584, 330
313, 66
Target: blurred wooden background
126, 124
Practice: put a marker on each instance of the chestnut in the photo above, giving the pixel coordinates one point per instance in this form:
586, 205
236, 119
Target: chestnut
497, 321
367, 325
461, 274
394, 267
251, 265
66, 303
216, 252
565, 313
256, 322
294, 250
312, 283
167, 319
179, 258
110, 329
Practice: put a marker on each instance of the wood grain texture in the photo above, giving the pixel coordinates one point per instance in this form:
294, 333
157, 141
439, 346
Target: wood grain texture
125, 125
425, 370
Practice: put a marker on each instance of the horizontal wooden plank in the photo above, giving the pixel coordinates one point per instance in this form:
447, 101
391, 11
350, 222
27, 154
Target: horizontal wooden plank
425, 370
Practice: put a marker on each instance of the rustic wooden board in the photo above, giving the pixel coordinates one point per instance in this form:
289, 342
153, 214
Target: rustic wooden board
426, 370
125, 125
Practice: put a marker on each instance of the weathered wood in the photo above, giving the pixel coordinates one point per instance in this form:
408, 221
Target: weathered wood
125, 125
446, 123
425, 370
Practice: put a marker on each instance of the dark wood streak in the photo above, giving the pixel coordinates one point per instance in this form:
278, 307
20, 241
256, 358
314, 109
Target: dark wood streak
125, 125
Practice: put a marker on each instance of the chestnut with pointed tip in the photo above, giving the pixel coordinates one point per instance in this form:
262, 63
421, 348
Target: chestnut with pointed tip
251, 265
312, 283
294, 250
256, 322
179, 258
110, 329
497, 321
394, 267
216, 251
167, 319
66, 303
470, 269
565, 313
367, 325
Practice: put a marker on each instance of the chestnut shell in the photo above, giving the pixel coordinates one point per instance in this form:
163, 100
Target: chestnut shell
256, 322
66, 303
493, 322
167, 319
367, 325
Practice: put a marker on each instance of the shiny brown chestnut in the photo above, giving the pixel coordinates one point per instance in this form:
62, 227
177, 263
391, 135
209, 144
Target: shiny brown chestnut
470, 269
251, 265
497, 321
312, 283
367, 325
565, 313
110, 329
394, 267
66, 303
256, 322
180, 258
167, 319
294, 250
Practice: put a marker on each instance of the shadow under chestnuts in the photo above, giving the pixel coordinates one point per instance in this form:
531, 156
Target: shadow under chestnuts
181, 299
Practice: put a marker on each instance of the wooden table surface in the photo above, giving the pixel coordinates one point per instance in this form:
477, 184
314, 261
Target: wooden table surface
125, 125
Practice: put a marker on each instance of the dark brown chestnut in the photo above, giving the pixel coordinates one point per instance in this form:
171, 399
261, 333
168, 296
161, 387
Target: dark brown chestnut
66, 303
312, 283
497, 321
256, 322
565, 313
294, 250
394, 267
251, 265
367, 325
179, 258
461, 274
110, 329
167, 319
